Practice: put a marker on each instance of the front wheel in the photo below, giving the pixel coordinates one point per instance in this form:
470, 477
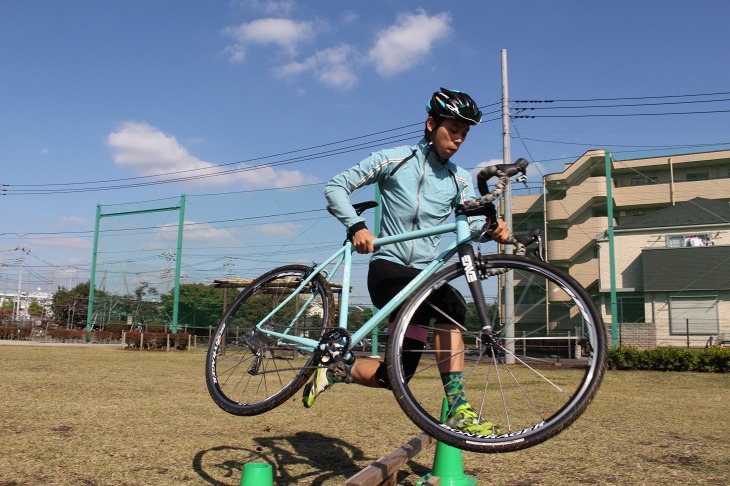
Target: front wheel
531, 384
249, 372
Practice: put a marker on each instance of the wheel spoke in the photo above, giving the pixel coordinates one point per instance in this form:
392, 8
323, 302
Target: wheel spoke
535, 393
248, 371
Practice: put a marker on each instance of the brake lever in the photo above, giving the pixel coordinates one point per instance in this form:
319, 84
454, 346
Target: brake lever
534, 236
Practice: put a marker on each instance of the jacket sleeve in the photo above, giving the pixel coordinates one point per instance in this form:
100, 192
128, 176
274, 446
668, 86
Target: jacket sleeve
337, 191
476, 223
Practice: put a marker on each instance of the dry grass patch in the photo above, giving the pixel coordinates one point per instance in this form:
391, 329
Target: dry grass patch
106, 416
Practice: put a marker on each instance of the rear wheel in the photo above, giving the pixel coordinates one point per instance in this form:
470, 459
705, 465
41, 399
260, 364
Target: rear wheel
531, 387
249, 372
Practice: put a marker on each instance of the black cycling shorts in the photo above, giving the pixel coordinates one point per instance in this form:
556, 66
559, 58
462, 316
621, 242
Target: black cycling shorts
386, 279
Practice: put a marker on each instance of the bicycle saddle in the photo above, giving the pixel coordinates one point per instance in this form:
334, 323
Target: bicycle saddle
360, 207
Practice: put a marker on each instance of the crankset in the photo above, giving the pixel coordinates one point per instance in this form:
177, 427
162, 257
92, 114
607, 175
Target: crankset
334, 353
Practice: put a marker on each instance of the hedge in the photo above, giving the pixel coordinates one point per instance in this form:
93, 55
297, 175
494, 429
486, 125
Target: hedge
712, 359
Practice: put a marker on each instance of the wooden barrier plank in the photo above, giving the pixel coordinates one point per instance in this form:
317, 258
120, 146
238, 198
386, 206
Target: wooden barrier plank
384, 470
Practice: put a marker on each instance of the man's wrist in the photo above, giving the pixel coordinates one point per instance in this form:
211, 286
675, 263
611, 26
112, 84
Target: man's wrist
357, 227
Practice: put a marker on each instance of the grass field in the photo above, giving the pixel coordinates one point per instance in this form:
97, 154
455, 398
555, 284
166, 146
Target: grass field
106, 416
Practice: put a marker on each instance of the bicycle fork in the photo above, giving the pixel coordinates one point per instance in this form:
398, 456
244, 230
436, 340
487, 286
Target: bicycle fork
469, 263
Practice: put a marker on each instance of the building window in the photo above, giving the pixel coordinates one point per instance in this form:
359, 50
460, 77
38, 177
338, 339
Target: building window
693, 314
698, 176
643, 181
689, 239
530, 295
630, 309
557, 233
556, 194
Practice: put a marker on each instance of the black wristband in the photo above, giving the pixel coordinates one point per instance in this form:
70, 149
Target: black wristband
356, 227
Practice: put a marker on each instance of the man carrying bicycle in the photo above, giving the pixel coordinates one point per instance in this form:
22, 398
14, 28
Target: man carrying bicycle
419, 188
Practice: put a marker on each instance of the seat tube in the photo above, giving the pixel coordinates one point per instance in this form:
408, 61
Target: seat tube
345, 294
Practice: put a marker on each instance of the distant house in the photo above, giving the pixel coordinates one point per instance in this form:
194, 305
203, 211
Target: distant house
672, 275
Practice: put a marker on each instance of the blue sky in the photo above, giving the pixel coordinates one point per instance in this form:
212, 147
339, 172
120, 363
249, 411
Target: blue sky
140, 93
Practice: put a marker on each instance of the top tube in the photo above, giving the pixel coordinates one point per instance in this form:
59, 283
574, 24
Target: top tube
461, 220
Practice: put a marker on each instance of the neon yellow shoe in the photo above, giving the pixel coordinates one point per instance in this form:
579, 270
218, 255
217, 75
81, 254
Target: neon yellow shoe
465, 418
320, 382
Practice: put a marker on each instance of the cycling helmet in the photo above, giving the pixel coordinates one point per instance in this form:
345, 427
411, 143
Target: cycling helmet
454, 104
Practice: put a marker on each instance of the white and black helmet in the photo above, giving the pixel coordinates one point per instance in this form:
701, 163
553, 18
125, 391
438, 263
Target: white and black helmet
455, 105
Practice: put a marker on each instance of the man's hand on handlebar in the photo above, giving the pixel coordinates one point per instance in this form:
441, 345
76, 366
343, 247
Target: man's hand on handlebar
501, 232
363, 241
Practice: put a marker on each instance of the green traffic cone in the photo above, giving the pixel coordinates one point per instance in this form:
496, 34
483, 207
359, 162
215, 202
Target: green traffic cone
447, 463
257, 474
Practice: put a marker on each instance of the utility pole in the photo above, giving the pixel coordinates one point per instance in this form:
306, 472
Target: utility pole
509, 295
170, 257
23, 250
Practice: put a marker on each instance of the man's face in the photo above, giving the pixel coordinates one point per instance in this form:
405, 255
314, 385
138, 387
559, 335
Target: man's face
448, 137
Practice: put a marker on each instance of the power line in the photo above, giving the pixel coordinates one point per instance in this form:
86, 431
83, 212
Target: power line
722, 93
623, 114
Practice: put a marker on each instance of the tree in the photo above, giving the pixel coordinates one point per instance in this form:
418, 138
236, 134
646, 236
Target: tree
201, 306
6, 310
147, 312
472, 319
71, 307
35, 309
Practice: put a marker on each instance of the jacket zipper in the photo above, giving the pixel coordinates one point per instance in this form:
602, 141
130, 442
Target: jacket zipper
418, 208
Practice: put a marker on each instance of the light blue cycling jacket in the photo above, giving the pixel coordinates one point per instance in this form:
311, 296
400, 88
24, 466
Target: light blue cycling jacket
421, 193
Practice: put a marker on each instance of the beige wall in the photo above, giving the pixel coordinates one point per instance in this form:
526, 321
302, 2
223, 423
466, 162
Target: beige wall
657, 306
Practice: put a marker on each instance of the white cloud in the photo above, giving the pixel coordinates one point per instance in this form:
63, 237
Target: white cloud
148, 151
74, 220
283, 230
285, 33
349, 17
235, 53
334, 67
399, 47
404, 44
61, 242
484, 164
198, 233
268, 7
43, 152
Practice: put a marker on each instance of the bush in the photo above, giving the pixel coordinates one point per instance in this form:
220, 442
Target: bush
156, 341
715, 360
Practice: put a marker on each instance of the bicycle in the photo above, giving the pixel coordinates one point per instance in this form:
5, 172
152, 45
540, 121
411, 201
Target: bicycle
282, 327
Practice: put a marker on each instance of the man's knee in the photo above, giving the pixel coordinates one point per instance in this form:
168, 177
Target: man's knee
412, 350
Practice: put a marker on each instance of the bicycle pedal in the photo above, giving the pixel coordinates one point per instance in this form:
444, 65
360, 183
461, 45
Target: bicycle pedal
340, 371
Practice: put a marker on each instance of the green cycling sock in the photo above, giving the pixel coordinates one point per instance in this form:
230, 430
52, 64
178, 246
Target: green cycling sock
454, 388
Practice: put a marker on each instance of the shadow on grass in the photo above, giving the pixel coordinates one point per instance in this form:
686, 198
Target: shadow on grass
308, 456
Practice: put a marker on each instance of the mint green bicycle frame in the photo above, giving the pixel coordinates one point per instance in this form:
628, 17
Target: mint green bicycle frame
344, 256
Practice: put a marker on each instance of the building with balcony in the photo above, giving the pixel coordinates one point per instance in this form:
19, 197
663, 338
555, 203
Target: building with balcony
659, 203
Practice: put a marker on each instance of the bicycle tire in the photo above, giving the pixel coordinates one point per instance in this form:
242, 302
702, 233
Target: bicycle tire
248, 372
535, 398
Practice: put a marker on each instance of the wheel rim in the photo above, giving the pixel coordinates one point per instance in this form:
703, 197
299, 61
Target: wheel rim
531, 397
250, 372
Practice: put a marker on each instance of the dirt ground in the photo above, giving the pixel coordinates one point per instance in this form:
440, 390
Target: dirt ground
100, 415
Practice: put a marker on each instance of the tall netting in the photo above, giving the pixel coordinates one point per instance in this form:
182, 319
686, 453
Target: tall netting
227, 239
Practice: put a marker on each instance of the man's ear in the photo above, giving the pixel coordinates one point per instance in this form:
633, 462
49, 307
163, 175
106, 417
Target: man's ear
430, 123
